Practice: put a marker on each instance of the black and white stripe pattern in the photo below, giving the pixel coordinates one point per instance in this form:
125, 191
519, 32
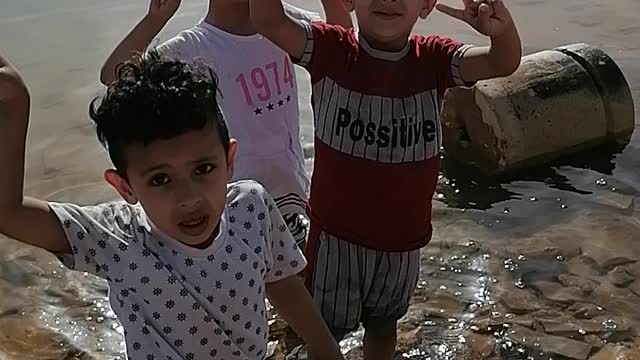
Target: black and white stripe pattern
455, 64
308, 48
352, 284
292, 208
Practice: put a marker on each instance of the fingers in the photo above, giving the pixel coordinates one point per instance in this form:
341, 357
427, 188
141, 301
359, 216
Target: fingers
453, 12
500, 9
484, 12
484, 18
486, 4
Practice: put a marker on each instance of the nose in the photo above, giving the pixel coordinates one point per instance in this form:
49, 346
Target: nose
187, 196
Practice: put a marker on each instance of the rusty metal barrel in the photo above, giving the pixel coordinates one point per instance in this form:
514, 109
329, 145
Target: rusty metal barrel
559, 101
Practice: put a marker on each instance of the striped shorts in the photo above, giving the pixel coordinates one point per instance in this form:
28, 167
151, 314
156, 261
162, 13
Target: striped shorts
354, 285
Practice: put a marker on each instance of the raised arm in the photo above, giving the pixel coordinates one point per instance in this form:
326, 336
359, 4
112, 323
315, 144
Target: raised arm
493, 19
24, 219
160, 11
337, 12
270, 20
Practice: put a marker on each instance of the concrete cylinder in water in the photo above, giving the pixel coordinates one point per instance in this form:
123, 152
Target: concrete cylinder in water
558, 102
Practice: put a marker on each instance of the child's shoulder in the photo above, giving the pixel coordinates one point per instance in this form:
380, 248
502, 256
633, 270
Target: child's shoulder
321, 28
115, 216
196, 41
111, 211
249, 200
246, 190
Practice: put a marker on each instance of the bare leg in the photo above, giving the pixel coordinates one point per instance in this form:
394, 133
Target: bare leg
381, 344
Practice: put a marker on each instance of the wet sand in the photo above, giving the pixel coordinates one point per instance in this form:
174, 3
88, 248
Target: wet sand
542, 265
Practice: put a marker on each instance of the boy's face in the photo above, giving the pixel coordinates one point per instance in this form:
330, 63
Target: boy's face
180, 182
389, 22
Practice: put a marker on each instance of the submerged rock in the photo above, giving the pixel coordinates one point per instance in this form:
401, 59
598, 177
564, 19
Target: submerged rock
550, 344
616, 200
481, 346
595, 341
635, 287
621, 277
617, 352
558, 293
566, 347
585, 267
585, 311
608, 263
573, 327
586, 286
520, 302
623, 300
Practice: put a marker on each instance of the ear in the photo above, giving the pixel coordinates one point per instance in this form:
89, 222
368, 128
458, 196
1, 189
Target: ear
121, 185
233, 148
428, 7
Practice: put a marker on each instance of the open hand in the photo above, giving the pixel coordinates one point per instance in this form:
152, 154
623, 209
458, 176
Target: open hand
488, 17
163, 9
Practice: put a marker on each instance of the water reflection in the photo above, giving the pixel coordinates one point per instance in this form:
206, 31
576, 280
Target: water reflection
465, 187
543, 289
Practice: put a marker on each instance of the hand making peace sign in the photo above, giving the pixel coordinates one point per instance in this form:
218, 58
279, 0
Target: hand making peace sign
488, 17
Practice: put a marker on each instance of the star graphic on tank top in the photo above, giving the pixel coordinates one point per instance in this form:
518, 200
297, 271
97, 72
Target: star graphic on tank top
270, 107
280, 102
258, 111
288, 98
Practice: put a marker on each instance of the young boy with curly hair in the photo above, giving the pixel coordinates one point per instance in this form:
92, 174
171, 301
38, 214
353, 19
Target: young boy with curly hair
188, 258
260, 91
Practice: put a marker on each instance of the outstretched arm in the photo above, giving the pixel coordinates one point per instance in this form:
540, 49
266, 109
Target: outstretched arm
294, 304
160, 11
270, 20
24, 219
337, 12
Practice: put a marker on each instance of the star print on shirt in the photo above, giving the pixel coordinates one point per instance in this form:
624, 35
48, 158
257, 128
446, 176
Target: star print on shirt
166, 298
270, 107
258, 111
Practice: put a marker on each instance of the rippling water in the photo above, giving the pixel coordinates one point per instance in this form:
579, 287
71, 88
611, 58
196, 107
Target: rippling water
538, 266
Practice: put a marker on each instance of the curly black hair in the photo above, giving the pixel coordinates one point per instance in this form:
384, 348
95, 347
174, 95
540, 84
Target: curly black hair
155, 98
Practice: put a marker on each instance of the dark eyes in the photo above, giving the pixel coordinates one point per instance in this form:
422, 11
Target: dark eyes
204, 169
159, 180
164, 179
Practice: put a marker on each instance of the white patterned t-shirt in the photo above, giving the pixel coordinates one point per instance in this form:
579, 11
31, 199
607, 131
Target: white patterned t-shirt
177, 302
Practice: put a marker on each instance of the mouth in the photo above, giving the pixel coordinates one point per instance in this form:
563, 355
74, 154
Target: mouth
387, 14
194, 226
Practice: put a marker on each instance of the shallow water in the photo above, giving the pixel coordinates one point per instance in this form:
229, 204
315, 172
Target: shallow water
521, 268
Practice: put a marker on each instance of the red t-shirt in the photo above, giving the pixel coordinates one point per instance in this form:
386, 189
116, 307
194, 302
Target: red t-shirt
377, 135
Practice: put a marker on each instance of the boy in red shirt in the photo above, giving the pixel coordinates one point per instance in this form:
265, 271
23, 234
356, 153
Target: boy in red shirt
377, 141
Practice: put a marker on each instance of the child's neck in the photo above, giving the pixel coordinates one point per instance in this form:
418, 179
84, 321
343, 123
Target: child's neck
232, 18
390, 45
